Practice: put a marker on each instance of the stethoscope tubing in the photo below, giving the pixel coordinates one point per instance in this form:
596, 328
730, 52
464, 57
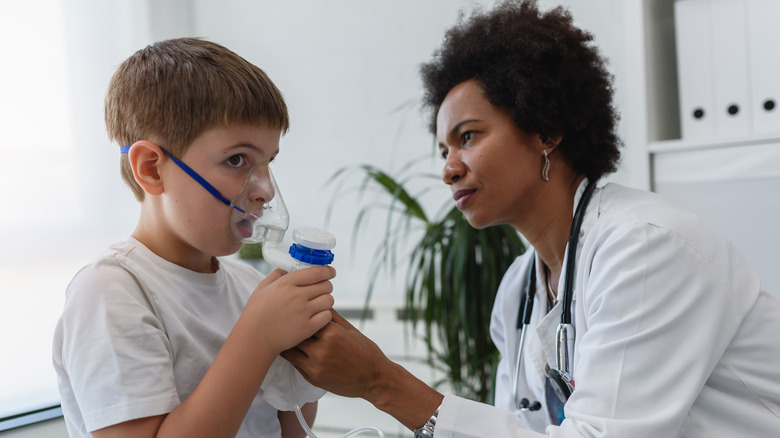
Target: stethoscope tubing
524, 314
523, 320
518, 362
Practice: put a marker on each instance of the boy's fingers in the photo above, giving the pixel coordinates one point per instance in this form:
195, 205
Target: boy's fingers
321, 318
270, 278
312, 275
322, 303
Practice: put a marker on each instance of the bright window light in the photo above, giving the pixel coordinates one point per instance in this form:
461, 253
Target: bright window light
40, 187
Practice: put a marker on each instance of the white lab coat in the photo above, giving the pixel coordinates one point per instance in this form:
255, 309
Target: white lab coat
675, 336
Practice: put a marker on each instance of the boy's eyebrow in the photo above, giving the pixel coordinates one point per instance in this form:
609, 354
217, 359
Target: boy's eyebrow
253, 147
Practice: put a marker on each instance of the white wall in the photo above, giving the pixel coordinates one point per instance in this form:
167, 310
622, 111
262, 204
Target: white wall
346, 67
349, 71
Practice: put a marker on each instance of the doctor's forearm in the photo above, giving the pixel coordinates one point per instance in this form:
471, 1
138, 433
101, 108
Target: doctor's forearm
399, 393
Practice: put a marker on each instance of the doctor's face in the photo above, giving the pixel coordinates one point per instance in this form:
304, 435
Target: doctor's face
492, 167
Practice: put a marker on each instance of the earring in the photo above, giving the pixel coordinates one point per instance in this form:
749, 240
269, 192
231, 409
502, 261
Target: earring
546, 167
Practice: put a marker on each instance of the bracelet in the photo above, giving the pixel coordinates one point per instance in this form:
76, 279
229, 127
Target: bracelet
426, 431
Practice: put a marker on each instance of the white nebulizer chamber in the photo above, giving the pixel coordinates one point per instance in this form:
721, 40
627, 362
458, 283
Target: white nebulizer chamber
284, 387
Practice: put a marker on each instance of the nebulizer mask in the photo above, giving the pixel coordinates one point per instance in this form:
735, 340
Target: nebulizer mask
255, 220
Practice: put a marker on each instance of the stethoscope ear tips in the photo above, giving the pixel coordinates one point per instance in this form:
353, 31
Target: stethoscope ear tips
526, 405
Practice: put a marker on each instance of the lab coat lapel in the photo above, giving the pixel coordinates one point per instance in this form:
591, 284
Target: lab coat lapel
546, 330
547, 325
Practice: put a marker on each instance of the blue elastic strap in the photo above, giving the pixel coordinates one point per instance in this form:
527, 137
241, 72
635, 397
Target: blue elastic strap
194, 176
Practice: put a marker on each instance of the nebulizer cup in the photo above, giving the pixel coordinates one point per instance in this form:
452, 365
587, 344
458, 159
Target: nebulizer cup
260, 215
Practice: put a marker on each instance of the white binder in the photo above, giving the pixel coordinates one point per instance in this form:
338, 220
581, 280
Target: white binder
764, 64
693, 28
730, 66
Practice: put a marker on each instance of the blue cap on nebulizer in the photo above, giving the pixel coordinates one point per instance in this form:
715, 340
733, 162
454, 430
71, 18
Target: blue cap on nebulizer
312, 246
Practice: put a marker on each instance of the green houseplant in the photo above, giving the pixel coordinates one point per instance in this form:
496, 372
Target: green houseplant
252, 253
452, 278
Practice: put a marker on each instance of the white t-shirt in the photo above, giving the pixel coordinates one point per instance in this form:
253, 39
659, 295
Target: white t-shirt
138, 333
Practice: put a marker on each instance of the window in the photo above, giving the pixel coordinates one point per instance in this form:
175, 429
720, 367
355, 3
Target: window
57, 210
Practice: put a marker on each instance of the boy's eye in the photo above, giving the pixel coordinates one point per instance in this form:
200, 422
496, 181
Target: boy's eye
466, 137
237, 160
444, 153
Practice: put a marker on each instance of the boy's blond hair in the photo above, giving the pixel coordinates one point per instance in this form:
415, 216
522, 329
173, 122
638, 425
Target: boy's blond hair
174, 89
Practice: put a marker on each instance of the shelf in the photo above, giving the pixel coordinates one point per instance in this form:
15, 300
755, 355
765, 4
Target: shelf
679, 145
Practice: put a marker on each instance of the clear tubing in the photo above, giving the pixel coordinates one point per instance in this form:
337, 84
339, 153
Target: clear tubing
350, 434
310, 433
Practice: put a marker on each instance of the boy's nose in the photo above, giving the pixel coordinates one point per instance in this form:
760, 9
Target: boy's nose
259, 186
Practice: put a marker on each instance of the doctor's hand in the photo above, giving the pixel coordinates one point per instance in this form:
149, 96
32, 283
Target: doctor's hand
340, 359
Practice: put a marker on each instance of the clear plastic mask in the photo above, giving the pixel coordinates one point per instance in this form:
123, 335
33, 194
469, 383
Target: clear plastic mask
258, 209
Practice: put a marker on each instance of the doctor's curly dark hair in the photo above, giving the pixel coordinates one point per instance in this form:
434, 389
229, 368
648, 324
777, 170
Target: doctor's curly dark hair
542, 69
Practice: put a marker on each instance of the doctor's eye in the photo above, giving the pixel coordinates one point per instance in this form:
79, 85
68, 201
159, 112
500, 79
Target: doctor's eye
466, 137
236, 160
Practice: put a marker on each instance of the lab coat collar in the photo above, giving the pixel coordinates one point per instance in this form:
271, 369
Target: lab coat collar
586, 224
589, 218
546, 330
547, 325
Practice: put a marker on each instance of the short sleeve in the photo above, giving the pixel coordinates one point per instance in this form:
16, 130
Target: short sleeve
114, 349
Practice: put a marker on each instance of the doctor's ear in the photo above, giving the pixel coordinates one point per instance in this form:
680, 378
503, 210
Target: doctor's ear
550, 143
145, 158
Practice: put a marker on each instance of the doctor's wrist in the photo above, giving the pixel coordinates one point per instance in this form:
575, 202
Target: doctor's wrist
427, 429
405, 397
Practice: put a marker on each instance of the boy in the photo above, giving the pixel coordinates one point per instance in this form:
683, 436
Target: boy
158, 336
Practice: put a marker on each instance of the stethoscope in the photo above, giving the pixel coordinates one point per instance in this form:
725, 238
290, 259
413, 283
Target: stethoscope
560, 377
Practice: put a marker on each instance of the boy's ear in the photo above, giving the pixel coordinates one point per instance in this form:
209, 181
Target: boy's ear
145, 159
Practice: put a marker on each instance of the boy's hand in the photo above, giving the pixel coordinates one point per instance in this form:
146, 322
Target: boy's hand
285, 309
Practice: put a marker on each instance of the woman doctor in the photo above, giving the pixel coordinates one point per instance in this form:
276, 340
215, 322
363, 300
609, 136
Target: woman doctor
666, 330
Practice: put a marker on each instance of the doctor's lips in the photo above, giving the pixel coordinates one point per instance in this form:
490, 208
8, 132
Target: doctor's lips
463, 196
